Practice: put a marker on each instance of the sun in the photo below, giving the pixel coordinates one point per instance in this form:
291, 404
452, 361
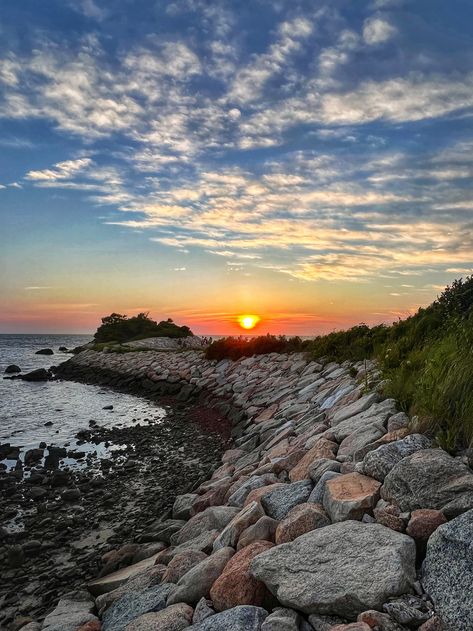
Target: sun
248, 321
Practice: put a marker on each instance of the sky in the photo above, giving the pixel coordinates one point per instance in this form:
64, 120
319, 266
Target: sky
308, 161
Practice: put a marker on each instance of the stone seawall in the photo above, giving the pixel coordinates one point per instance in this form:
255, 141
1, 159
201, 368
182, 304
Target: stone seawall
328, 512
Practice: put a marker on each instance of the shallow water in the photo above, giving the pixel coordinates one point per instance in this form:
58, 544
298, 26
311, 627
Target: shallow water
26, 407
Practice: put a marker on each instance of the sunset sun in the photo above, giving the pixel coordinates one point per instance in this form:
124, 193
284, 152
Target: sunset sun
248, 321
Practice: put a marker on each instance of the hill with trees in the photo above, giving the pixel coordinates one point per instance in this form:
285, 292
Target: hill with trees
120, 328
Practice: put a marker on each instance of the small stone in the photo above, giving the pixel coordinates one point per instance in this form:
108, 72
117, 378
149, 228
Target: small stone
282, 619
301, 519
241, 618
196, 583
279, 502
235, 586
323, 448
349, 496
182, 563
174, 618
263, 530
424, 522
71, 495
203, 610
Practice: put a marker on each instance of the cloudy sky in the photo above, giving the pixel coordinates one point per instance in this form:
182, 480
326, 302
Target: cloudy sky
305, 160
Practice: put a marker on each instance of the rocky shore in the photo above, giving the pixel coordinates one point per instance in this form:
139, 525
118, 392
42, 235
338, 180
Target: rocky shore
328, 511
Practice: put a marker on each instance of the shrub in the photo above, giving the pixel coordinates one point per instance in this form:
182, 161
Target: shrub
120, 328
236, 347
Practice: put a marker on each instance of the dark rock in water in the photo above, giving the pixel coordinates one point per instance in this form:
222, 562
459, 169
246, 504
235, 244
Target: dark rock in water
45, 351
11, 369
108, 407
9, 452
40, 374
63, 349
48, 424
448, 571
32, 456
133, 605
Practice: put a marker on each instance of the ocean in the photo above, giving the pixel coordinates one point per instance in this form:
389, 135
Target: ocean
54, 411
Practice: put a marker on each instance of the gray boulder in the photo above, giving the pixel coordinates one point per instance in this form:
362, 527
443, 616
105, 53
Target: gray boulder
241, 618
72, 611
319, 467
133, 605
196, 583
378, 463
357, 407
317, 494
182, 505
447, 573
342, 569
282, 619
429, 478
212, 518
255, 482
279, 502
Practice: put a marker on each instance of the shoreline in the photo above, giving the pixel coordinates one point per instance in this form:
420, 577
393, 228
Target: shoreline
73, 517
319, 460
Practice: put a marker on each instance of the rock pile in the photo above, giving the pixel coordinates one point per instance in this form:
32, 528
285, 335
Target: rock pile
326, 513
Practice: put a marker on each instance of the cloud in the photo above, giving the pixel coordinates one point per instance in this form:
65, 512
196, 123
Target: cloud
61, 170
251, 79
37, 287
376, 31
90, 9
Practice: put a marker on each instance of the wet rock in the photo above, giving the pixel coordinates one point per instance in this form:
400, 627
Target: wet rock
182, 563
282, 619
107, 407
429, 478
378, 463
174, 618
116, 559
11, 369
196, 583
349, 496
135, 604
36, 493
324, 572
9, 452
301, 519
447, 572
40, 374
45, 351
235, 586
232, 531
241, 618
280, 501
213, 518
263, 530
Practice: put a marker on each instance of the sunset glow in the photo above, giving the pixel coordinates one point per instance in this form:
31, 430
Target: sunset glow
248, 321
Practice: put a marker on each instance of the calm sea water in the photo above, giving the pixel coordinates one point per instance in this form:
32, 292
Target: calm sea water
26, 407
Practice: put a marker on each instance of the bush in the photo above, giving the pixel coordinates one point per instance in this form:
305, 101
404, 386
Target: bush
236, 347
120, 328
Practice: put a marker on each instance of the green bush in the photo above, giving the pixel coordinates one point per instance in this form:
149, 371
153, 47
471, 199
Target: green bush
236, 347
120, 328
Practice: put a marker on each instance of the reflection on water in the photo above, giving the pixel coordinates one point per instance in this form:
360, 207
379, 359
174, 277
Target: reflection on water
54, 411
